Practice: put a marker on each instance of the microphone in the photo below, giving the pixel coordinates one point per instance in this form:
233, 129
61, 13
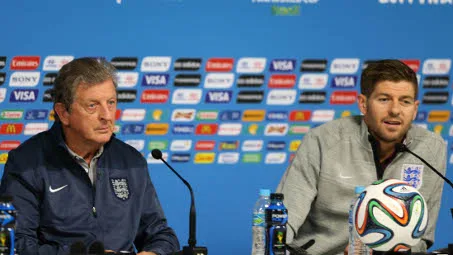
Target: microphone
191, 249
96, 248
400, 147
78, 248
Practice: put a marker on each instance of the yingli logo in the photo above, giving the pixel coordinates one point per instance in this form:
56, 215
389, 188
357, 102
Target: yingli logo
25, 63
154, 96
219, 65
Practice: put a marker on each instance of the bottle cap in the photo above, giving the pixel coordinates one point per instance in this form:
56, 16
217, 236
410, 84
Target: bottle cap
359, 189
278, 196
265, 192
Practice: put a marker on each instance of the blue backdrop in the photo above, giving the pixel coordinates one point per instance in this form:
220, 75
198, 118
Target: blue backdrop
279, 35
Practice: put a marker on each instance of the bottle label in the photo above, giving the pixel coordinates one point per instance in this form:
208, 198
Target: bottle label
277, 240
258, 219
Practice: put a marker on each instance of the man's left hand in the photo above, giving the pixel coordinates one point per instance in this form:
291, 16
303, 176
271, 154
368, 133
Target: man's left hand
146, 253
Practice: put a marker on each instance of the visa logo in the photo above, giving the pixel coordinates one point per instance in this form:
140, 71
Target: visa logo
155, 79
282, 65
344, 81
23, 95
218, 96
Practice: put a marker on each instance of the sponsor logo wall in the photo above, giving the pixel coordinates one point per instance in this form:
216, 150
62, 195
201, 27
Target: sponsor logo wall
247, 110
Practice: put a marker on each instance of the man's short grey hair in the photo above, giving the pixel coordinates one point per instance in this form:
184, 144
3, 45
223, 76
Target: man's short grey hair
86, 71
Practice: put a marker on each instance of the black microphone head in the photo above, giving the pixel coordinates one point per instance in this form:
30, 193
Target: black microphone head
78, 248
96, 248
400, 147
156, 153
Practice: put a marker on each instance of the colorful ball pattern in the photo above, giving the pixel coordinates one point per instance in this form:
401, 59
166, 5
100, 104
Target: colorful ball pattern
390, 215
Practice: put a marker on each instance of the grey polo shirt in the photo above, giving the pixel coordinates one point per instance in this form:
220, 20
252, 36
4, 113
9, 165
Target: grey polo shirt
89, 168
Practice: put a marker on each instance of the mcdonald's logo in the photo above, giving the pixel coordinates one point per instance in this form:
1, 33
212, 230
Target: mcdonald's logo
11, 129
206, 129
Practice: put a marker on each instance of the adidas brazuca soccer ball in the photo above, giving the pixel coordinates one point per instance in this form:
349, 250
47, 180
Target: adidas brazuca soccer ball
390, 215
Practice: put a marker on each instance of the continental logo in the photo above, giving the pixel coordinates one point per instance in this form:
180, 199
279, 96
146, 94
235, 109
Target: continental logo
187, 80
228, 145
11, 128
251, 97
299, 115
206, 129
294, 145
3, 158
251, 158
158, 144
439, 116
253, 115
156, 129
204, 158
313, 65
435, 97
124, 63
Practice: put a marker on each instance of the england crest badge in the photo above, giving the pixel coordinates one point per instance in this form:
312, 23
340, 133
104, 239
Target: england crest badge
413, 174
120, 188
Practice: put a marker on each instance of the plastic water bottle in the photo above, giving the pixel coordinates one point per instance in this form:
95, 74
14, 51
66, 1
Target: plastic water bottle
259, 223
356, 247
7, 226
276, 219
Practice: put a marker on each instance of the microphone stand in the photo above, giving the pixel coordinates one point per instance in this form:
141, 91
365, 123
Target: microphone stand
400, 147
192, 249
